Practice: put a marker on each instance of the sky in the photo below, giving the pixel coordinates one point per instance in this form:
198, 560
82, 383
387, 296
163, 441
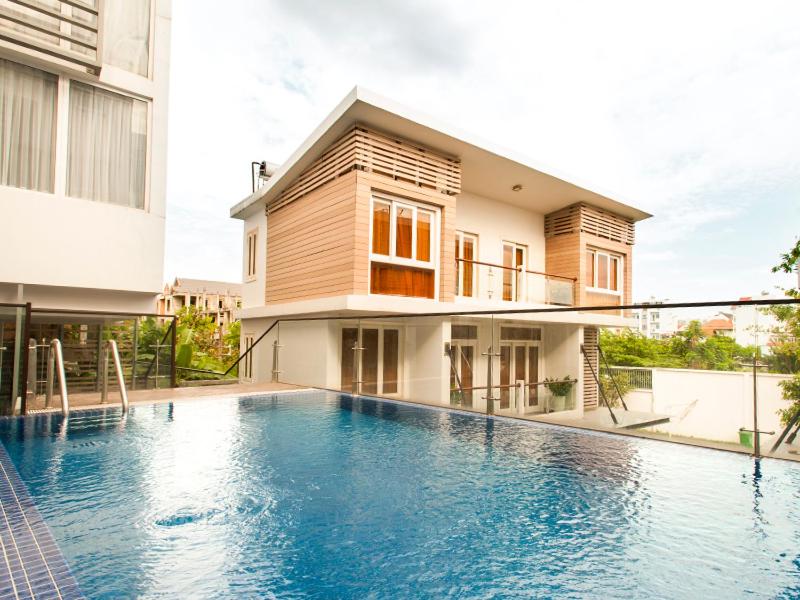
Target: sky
688, 110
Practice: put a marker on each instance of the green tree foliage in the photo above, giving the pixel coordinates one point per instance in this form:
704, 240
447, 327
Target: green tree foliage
790, 262
688, 349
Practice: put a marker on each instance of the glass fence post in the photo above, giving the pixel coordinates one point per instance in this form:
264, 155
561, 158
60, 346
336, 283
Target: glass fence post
276, 364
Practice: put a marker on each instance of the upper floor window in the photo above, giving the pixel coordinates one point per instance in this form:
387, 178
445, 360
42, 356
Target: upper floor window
514, 261
250, 272
403, 249
126, 37
466, 268
107, 146
603, 271
27, 135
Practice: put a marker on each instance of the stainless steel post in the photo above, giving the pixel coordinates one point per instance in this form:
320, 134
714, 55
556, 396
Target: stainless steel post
104, 383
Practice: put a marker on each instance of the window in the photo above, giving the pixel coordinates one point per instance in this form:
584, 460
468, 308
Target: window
466, 270
513, 271
107, 146
464, 332
403, 245
126, 38
250, 269
27, 134
603, 271
521, 334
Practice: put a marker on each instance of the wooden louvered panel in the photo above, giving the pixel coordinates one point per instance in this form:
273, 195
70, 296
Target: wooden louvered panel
374, 152
591, 220
590, 393
604, 224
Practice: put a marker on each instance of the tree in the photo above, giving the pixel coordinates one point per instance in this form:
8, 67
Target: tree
789, 263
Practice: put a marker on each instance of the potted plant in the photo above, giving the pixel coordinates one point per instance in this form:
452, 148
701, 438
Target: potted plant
560, 388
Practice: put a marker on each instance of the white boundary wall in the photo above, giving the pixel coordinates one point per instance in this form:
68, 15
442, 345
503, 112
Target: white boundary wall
711, 405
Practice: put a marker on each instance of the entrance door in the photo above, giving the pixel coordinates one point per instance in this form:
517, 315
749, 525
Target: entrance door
379, 360
518, 361
463, 361
513, 273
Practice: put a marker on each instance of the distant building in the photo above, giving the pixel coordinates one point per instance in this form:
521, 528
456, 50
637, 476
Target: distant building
719, 325
754, 325
656, 322
217, 299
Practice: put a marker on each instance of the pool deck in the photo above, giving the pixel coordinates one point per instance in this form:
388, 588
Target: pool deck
93, 400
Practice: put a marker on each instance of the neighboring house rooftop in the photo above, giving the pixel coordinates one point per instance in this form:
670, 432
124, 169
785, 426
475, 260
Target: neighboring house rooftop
184, 285
717, 324
487, 170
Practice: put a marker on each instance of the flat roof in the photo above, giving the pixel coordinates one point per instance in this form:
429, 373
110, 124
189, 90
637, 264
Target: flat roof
487, 170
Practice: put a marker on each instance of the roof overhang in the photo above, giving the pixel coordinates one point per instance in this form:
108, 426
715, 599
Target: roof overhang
487, 170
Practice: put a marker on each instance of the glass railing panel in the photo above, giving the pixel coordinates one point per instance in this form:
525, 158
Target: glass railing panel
12, 356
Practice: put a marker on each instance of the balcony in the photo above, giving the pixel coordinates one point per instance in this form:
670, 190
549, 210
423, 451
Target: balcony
493, 282
66, 29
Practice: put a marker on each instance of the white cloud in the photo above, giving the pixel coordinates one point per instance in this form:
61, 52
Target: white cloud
686, 109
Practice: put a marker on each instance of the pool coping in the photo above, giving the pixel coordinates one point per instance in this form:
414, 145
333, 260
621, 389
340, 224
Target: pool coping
32, 565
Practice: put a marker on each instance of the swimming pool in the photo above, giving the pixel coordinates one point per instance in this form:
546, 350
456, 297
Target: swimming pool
315, 494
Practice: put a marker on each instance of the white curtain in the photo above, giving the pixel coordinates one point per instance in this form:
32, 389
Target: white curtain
107, 146
27, 126
126, 34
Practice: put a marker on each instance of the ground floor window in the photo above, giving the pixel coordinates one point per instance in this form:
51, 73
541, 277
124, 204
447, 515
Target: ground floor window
373, 361
519, 361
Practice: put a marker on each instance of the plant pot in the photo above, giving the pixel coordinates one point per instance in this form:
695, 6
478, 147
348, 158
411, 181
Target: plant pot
746, 438
558, 403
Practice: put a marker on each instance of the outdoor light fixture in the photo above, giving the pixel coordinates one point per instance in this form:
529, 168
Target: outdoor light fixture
517, 187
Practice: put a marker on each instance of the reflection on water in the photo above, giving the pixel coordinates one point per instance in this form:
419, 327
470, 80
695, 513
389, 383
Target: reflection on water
323, 495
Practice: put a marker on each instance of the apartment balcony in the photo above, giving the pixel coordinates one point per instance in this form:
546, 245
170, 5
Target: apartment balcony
486, 281
68, 30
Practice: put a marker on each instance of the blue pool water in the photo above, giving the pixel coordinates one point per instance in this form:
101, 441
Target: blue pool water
318, 495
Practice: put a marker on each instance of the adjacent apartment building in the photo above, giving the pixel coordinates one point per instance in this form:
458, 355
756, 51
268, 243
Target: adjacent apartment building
83, 152
215, 299
383, 214
83, 142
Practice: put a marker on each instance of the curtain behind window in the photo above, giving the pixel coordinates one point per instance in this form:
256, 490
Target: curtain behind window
126, 34
27, 126
107, 146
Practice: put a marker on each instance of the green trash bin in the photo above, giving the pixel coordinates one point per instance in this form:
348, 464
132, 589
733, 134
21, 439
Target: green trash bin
746, 438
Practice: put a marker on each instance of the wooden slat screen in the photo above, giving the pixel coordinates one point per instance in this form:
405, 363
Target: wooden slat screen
368, 150
590, 393
592, 220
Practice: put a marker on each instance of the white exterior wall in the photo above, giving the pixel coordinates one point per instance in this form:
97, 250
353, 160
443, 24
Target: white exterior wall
55, 241
494, 223
711, 405
254, 289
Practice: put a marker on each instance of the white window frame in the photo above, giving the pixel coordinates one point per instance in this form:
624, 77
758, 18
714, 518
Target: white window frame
519, 289
461, 266
620, 272
392, 258
251, 253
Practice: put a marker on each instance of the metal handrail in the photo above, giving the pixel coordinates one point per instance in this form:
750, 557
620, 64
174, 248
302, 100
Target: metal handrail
112, 348
55, 366
517, 269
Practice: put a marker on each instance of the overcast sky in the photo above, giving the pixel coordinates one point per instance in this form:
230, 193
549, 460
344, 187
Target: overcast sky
689, 110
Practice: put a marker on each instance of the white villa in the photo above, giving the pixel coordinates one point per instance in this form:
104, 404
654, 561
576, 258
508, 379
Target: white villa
383, 211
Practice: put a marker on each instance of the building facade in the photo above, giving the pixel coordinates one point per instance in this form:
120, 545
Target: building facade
383, 224
215, 299
83, 102
657, 322
83, 152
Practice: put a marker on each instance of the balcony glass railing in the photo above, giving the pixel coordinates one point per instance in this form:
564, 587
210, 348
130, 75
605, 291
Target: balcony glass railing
488, 281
